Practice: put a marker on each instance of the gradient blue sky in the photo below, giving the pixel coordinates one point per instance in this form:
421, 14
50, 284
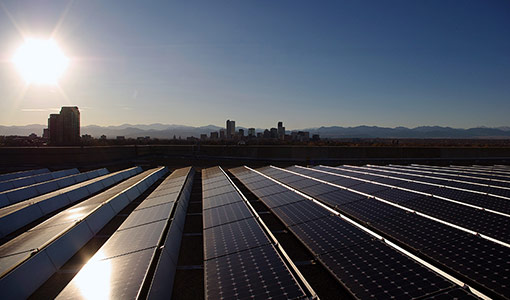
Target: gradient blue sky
308, 63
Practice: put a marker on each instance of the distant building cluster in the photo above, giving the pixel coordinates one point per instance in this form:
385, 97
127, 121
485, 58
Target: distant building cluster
64, 128
278, 133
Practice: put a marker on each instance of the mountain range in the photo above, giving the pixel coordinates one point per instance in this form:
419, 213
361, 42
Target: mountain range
166, 131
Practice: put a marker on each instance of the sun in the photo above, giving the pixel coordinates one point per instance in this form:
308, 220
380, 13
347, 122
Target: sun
40, 61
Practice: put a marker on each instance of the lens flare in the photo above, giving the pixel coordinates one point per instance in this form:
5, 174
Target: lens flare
40, 61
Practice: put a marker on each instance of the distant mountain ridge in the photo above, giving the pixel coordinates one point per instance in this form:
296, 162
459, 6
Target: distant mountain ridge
158, 130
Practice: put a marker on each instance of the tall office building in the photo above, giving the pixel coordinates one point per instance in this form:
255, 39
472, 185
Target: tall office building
64, 128
231, 129
281, 131
251, 132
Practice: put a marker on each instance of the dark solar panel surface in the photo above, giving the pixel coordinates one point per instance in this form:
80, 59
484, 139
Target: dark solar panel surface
240, 261
374, 270
252, 273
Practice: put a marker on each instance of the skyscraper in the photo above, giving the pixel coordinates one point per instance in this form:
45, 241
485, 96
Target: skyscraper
281, 131
231, 129
64, 128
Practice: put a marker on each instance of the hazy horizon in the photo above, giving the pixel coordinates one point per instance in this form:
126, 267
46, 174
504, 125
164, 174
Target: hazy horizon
340, 63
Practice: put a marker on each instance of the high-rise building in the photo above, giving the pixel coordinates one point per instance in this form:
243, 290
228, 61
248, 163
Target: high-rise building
241, 133
281, 131
231, 129
251, 132
214, 135
64, 128
274, 133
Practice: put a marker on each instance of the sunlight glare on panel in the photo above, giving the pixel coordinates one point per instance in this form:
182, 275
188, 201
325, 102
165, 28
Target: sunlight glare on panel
94, 279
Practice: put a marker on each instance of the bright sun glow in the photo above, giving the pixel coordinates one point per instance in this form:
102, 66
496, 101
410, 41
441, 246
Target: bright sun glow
40, 61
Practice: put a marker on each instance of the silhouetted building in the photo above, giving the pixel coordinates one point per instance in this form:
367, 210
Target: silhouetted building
231, 129
241, 133
103, 137
274, 133
64, 128
214, 135
251, 132
222, 134
281, 131
46, 133
267, 134
316, 138
203, 136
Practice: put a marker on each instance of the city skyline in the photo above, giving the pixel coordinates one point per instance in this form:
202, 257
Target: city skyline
338, 64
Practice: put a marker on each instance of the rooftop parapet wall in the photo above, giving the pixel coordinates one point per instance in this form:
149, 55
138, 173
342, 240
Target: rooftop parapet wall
45, 156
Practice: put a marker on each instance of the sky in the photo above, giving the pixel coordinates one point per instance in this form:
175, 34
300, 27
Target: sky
307, 63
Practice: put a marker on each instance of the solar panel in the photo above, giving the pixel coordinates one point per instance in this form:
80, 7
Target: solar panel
218, 191
225, 214
284, 198
158, 200
369, 210
233, 237
481, 260
147, 215
112, 278
484, 222
220, 200
420, 187
133, 239
318, 189
397, 196
416, 231
269, 190
374, 270
346, 182
300, 212
9, 176
254, 273
300, 184
340, 197
370, 188
454, 293
329, 234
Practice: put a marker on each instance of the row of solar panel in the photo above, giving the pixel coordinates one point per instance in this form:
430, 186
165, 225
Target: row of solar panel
47, 246
20, 174
493, 175
484, 222
431, 184
150, 237
481, 182
473, 194
23, 193
24, 181
16, 216
240, 259
462, 253
366, 266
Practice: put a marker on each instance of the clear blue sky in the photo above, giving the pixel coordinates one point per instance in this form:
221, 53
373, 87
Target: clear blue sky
308, 63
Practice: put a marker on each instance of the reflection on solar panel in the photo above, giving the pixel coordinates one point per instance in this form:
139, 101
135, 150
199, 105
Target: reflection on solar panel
240, 259
150, 236
421, 235
50, 244
20, 214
